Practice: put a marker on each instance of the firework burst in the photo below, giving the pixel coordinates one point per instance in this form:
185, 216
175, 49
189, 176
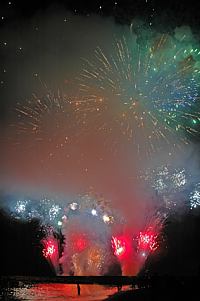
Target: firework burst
119, 246
147, 242
150, 90
44, 120
195, 197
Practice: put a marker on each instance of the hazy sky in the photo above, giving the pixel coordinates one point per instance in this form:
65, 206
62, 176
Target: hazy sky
66, 158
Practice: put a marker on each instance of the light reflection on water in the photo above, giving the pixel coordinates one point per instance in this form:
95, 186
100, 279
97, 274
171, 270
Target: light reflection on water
61, 292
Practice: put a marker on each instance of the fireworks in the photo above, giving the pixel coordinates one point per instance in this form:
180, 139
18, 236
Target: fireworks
108, 219
89, 221
35, 110
94, 212
75, 220
73, 206
44, 120
49, 249
146, 92
95, 259
167, 179
147, 241
89, 262
175, 187
138, 92
119, 246
21, 206
195, 197
79, 236
54, 211
47, 211
150, 90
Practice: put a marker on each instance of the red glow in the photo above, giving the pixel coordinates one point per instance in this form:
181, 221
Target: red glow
49, 249
79, 242
147, 241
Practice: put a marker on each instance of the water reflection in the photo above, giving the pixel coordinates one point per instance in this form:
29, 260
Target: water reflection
58, 292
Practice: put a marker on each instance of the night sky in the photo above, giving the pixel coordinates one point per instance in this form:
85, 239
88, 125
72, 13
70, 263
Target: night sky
41, 46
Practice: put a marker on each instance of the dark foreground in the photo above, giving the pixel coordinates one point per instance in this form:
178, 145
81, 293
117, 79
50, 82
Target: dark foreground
163, 289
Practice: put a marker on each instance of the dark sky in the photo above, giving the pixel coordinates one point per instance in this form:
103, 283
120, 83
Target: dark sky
16, 16
183, 10
20, 14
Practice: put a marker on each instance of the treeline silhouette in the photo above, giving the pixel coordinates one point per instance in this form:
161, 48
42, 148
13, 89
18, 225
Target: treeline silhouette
179, 254
21, 251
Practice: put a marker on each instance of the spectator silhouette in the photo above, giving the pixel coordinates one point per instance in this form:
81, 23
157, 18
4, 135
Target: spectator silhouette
78, 289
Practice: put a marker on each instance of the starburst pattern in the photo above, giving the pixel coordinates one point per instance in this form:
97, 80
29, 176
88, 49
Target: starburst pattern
151, 90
